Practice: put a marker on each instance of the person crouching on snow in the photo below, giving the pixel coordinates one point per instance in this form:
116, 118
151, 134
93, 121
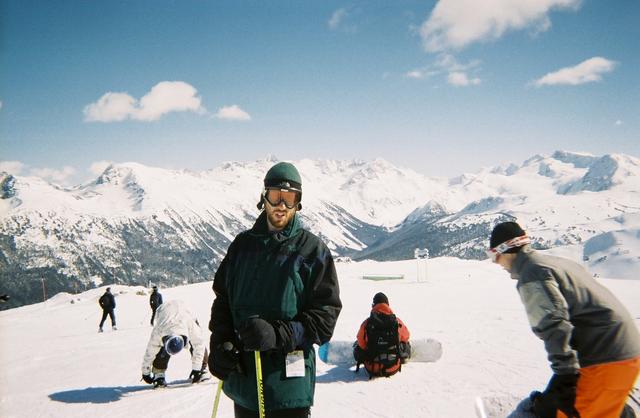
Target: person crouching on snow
175, 328
383, 340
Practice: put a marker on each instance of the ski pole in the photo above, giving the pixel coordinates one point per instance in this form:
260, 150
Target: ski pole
217, 400
480, 411
259, 383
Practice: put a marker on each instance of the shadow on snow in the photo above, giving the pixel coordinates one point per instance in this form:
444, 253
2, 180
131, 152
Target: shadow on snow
107, 394
343, 374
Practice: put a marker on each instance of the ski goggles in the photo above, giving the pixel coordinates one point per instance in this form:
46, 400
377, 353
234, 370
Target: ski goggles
291, 198
507, 245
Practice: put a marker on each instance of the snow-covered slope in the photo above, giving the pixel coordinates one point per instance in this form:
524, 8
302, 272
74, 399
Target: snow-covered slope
135, 224
53, 363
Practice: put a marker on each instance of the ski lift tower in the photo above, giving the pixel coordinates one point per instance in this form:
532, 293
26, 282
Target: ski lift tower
421, 255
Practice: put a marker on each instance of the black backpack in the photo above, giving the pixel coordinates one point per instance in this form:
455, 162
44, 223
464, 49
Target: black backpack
383, 342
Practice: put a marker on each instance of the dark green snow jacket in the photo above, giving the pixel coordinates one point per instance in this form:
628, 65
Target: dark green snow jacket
288, 276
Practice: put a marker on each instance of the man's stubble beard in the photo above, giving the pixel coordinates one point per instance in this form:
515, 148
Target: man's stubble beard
279, 223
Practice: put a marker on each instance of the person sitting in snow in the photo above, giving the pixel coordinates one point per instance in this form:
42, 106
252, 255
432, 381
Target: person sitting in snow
383, 340
175, 328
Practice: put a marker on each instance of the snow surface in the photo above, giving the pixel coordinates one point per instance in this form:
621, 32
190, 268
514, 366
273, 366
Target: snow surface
53, 363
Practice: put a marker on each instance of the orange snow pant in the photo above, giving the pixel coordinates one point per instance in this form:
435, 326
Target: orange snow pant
603, 389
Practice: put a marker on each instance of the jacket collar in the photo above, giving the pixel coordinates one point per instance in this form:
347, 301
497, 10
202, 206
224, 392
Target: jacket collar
525, 254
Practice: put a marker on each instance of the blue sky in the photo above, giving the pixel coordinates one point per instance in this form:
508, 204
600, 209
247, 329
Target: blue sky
442, 87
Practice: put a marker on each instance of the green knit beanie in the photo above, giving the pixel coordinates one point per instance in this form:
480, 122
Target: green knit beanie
284, 175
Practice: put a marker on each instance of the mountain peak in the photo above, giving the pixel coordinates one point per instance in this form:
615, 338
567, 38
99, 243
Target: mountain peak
607, 172
578, 159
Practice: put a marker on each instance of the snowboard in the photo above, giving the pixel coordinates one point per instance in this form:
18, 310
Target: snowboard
425, 350
494, 407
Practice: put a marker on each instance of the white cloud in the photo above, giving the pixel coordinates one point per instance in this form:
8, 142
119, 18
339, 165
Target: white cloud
451, 64
232, 112
169, 96
342, 20
336, 18
421, 73
111, 107
12, 167
417, 74
454, 24
618, 122
51, 174
164, 97
0, 104
98, 167
460, 79
587, 71
448, 64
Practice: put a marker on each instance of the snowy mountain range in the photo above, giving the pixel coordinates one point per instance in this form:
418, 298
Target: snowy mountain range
136, 224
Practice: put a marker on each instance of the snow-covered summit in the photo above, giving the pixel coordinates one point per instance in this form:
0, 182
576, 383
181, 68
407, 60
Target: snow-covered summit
609, 171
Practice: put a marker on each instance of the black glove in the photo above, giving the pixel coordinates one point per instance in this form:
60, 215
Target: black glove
260, 335
224, 359
289, 335
560, 394
147, 378
543, 406
257, 334
195, 376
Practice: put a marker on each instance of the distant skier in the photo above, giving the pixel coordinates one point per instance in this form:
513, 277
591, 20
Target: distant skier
155, 300
383, 340
591, 340
175, 328
108, 304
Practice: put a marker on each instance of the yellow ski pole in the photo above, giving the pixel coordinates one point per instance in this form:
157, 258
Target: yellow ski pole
217, 400
259, 384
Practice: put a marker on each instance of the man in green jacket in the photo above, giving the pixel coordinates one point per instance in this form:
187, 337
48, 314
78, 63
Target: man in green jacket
276, 292
592, 342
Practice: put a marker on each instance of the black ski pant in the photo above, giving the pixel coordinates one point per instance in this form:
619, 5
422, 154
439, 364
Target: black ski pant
109, 312
161, 362
241, 412
153, 315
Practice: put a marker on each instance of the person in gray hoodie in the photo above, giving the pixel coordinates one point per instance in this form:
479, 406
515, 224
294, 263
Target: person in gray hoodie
591, 340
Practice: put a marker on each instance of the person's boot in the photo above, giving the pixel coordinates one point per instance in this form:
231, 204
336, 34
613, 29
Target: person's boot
205, 374
158, 380
100, 329
114, 328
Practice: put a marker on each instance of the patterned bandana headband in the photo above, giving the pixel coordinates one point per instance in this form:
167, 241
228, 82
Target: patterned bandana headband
507, 245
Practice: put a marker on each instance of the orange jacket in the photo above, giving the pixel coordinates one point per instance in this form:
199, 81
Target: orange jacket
403, 334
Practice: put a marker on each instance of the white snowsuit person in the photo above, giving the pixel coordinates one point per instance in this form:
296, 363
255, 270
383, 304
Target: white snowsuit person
175, 327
